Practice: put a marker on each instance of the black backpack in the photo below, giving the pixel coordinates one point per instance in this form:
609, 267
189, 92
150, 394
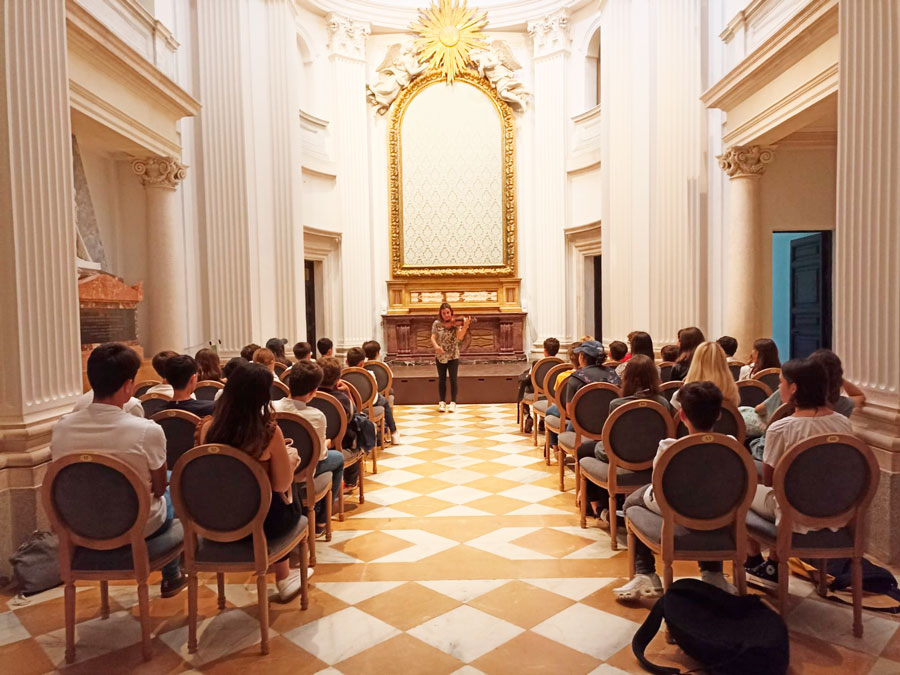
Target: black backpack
729, 635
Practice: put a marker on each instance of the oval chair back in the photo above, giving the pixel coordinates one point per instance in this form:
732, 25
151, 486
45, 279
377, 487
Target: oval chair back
668, 389
730, 423
180, 428
784, 410
355, 398
549, 383
753, 392
771, 377
279, 369
633, 431
141, 387
590, 408
735, 368
335, 417
665, 371
364, 382
153, 403
304, 440
206, 390
539, 374
279, 390
384, 377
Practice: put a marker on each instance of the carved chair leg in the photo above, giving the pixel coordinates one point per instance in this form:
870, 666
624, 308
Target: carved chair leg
220, 584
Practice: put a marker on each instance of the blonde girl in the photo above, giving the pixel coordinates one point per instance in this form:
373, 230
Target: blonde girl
711, 365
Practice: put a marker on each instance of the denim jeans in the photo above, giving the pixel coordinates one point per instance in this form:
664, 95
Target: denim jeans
335, 464
173, 569
552, 411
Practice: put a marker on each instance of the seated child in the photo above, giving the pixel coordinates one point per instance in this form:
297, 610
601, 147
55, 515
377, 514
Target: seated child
355, 359
551, 348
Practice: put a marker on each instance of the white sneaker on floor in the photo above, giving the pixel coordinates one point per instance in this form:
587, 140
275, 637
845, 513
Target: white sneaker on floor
395, 438
289, 587
452, 406
718, 580
641, 586
442, 407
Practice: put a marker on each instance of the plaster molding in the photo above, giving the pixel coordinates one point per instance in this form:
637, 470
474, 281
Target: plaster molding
745, 161
550, 33
346, 37
800, 35
159, 172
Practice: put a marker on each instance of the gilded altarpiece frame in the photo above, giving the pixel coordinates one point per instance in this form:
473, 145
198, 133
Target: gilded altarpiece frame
423, 287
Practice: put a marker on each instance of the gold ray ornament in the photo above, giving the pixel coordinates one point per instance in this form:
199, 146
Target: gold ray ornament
448, 33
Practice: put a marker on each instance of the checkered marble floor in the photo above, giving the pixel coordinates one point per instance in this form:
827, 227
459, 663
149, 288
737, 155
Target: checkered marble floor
465, 559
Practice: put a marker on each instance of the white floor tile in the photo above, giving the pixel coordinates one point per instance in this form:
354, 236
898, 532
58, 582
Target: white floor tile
833, 623
393, 477
339, 636
458, 449
352, 592
572, 588
458, 476
401, 462
459, 512
498, 543
529, 493
885, 667
596, 633
508, 438
518, 460
606, 669
390, 495
407, 450
467, 670
464, 590
383, 512
217, 636
466, 633
539, 510
458, 461
11, 629
457, 439
521, 474
513, 448
92, 638
459, 494
424, 545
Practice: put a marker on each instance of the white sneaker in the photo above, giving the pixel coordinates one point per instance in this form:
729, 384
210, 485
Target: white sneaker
395, 438
641, 586
452, 406
289, 587
442, 407
718, 580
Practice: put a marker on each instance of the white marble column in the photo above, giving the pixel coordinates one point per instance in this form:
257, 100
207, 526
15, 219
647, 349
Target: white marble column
164, 287
743, 304
547, 311
347, 47
39, 332
867, 244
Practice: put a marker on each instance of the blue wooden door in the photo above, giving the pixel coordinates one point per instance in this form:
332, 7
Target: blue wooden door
810, 294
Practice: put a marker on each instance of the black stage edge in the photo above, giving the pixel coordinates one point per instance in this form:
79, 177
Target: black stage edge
478, 383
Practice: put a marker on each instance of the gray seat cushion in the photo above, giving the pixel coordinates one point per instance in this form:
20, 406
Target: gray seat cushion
321, 482
551, 422
759, 526
351, 456
567, 440
650, 525
599, 470
241, 551
377, 412
542, 405
88, 559
528, 397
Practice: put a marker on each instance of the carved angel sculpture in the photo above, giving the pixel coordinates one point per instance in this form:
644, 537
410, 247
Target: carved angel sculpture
400, 67
497, 65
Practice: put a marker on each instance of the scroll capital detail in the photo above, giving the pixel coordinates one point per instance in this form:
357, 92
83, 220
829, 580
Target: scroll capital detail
159, 172
550, 33
346, 37
748, 160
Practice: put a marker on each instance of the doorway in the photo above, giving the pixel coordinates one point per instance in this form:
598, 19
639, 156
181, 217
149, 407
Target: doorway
801, 292
593, 297
309, 267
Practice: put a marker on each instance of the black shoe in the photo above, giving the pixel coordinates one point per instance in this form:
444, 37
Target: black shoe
169, 588
765, 574
320, 528
529, 424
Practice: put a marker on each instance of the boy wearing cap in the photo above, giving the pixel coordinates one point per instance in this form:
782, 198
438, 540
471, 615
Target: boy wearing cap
591, 356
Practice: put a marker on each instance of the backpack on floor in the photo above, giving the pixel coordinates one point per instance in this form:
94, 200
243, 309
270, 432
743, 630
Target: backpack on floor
729, 635
36, 563
879, 586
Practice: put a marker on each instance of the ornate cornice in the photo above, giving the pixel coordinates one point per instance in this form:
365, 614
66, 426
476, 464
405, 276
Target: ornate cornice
742, 161
346, 37
159, 172
550, 33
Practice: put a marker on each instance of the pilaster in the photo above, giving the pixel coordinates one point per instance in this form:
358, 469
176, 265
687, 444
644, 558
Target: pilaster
867, 245
551, 42
347, 51
39, 333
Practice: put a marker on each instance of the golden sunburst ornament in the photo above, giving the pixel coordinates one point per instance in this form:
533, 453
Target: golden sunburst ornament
448, 33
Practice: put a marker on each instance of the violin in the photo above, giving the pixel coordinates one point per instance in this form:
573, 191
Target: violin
460, 320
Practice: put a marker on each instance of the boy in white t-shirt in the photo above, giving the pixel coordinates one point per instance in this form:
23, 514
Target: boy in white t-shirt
103, 426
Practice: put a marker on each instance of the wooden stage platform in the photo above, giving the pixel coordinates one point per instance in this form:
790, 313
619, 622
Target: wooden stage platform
478, 383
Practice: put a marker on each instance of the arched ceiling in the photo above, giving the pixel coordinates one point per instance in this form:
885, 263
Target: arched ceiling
396, 16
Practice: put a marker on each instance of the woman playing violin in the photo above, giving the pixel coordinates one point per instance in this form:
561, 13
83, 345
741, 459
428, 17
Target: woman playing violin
446, 334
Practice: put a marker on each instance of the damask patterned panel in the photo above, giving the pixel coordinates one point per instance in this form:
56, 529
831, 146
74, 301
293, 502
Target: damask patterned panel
452, 179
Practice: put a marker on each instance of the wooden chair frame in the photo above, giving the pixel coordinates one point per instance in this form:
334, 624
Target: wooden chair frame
754, 384
548, 451
670, 518
536, 389
144, 383
282, 387
580, 434
153, 397
371, 366
262, 560
736, 374
765, 373
611, 484
283, 367
163, 415
213, 384
133, 537
549, 377
853, 518
305, 475
337, 444
368, 406
671, 384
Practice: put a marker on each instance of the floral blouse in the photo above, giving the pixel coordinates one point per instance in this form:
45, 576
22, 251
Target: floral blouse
446, 338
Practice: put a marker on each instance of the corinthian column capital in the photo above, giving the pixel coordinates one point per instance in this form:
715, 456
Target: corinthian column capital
740, 161
346, 37
550, 33
159, 172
